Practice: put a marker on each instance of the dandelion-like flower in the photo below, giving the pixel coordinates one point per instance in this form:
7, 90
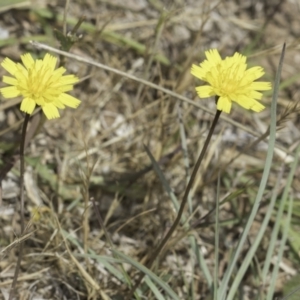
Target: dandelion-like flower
40, 84
230, 80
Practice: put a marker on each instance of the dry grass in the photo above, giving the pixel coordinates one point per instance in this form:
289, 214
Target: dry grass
97, 151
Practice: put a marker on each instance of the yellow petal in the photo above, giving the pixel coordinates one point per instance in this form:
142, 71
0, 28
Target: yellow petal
255, 95
249, 103
50, 61
50, 111
10, 92
10, 80
27, 60
261, 86
69, 100
28, 105
224, 104
58, 104
9, 66
255, 72
65, 88
198, 72
213, 56
58, 72
68, 79
205, 91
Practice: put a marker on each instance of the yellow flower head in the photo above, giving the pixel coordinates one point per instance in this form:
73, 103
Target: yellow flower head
40, 84
230, 81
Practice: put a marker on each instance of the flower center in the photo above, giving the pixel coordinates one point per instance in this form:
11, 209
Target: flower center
229, 79
38, 82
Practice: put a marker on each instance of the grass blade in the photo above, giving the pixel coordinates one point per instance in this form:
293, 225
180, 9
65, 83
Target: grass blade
252, 251
148, 273
267, 168
217, 236
281, 249
154, 289
163, 180
278, 218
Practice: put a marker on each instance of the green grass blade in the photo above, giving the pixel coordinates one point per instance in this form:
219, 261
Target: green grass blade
104, 260
185, 153
163, 180
287, 222
279, 217
252, 251
294, 239
148, 273
154, 289
217, 236
13, 4
263, 182
201, 260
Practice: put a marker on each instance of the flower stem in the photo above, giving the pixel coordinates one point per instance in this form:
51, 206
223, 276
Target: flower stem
183, 203
22, 170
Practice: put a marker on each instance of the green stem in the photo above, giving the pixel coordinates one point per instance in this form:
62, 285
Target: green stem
22, 170
183, 203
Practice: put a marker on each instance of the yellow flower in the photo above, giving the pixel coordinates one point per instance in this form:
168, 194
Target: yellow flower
40, 84
230, 81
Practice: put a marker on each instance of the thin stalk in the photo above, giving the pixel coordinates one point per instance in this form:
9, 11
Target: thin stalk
183, 203
217, 236
22, 170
